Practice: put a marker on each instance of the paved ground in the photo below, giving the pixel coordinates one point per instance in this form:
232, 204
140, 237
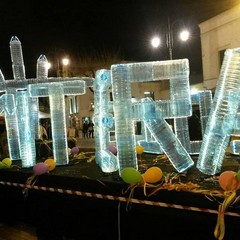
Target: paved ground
86, 142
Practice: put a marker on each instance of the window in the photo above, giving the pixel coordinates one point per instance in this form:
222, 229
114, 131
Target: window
149, 94
221, 57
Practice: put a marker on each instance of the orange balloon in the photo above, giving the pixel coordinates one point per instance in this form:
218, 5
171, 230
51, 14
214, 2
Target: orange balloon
51, 163
153, 175
139, 149
228, 181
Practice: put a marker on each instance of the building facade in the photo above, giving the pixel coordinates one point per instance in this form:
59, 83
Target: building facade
218, 34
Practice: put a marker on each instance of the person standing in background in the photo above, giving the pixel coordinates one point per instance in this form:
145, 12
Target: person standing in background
42, 132
91, 129
85, 129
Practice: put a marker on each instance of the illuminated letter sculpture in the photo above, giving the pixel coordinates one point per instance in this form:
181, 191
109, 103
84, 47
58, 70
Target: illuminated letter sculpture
104, 121
179, 105
21, 140
222, 116
56, 92
204, 100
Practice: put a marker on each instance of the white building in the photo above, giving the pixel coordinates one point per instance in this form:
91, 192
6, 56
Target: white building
218, 34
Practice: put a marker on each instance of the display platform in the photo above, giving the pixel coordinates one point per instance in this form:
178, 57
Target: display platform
79, 201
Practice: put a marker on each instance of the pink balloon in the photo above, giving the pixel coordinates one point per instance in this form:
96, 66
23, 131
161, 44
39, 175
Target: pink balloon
112, 149
75, 150
40, 168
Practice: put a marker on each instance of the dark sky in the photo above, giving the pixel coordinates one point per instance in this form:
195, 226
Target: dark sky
80, 27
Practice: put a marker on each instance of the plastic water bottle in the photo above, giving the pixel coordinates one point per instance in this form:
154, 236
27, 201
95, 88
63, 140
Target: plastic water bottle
42, 73
27, 136
182, 132
56, 92
204, 100
140, 72
222, 116
103, 121
9, 107
205, 104
164, 135
34, 103
17, 59
177, 71
42, 67
235, 147
125, 136
59, 129
236, 130
2, 82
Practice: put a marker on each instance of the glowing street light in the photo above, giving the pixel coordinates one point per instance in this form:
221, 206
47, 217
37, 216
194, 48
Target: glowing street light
49, 65
59, 62
183, 36
65, 62
156, 41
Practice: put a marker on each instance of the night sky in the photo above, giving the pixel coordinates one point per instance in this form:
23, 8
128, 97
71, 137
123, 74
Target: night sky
80, 27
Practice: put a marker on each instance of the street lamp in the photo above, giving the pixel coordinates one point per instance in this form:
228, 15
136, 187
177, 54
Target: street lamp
59, 62
65, 62
184, 36
62, 69
156, 41
49, 65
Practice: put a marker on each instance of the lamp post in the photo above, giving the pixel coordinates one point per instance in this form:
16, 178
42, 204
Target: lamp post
184, 36
62, 69
71, 102
65, 62
59, 62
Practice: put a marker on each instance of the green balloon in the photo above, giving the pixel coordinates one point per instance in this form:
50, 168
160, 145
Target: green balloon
3, 165
131, 175
238, 175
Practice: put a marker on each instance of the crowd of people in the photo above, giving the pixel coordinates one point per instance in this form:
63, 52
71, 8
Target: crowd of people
88, 129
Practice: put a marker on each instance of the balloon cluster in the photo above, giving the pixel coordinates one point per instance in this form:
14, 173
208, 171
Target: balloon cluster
44, 167
39, 169
131, 175
5, 163
229, 180
113, 149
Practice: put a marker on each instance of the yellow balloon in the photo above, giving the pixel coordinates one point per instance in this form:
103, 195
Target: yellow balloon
51, 163
7, 161
139, 149
153, 175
